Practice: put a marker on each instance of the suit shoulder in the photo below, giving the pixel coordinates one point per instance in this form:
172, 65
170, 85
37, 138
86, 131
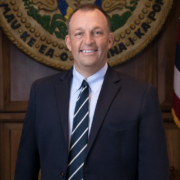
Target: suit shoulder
50, 80
134, 85
132, 81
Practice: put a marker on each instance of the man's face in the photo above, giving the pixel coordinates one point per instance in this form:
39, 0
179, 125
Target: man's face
89, 39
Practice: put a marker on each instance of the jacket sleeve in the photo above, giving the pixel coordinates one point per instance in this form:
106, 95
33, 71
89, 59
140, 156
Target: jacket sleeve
28, 165
153, 157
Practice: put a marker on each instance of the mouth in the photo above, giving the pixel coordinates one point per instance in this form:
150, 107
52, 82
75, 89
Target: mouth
88, 51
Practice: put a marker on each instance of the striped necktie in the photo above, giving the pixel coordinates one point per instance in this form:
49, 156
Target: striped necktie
79, 136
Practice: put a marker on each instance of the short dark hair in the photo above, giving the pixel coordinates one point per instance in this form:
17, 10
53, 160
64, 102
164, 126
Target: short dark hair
89, 7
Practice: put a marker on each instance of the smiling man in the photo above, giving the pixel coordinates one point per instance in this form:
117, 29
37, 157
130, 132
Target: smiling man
91, 122
89, 40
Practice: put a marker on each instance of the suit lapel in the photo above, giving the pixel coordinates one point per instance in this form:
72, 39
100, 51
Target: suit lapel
109, 90
63, 95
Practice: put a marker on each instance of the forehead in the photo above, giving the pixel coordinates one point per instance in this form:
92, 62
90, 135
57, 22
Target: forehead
89, 18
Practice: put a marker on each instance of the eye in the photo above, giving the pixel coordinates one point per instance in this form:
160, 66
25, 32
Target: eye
97, 33
79, 34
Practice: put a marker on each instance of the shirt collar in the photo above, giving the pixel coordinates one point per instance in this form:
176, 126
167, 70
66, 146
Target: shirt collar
95, 81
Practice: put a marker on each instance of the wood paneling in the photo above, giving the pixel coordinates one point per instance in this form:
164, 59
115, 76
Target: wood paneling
1, 150
24, 71
12, 117
173, 144
18, 72
166, 41
1, 72
6, 105
11, 139
142, 66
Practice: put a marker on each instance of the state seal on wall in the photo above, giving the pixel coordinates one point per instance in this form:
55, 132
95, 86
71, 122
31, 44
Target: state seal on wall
38, 27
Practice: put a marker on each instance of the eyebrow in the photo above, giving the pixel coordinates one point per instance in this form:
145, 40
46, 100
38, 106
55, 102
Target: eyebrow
96, 27
80, 28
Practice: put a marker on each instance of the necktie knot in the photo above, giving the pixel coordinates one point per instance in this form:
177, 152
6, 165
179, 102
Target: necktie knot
85, 83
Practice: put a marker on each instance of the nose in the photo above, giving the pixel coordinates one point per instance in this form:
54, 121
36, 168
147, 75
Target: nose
88, 39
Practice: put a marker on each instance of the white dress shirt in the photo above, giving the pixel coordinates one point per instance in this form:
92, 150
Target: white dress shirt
95, 83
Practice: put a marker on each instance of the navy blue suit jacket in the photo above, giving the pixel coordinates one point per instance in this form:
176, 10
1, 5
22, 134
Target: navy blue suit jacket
127, 138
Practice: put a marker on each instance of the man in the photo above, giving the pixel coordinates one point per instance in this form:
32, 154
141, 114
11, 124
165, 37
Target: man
91, 122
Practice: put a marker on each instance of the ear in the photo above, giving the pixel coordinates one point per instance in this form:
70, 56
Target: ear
110, 40
68, 42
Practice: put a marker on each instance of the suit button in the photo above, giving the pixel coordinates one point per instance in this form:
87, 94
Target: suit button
62, 174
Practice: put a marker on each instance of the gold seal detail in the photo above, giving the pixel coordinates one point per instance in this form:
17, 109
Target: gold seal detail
117, 38
55, 43
15, 8
57, 55
37, 45
128, 31
23, 19
145, 10
141, 16
137, 21
132, 26
71, 58
37, 34
61, 46
20, 30
48, 41
122, 35
19, 14
13, 2
32, 29
43, 38
148, 4
134, 38
28, 25
127, 43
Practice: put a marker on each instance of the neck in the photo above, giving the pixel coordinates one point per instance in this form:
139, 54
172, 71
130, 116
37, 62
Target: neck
87, 71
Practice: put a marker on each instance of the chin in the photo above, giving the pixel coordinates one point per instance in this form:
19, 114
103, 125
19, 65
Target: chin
89, 63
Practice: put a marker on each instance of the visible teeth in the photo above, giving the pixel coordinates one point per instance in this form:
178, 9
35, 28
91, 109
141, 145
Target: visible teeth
88, 51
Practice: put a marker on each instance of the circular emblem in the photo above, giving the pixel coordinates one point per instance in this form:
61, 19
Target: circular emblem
38, 27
